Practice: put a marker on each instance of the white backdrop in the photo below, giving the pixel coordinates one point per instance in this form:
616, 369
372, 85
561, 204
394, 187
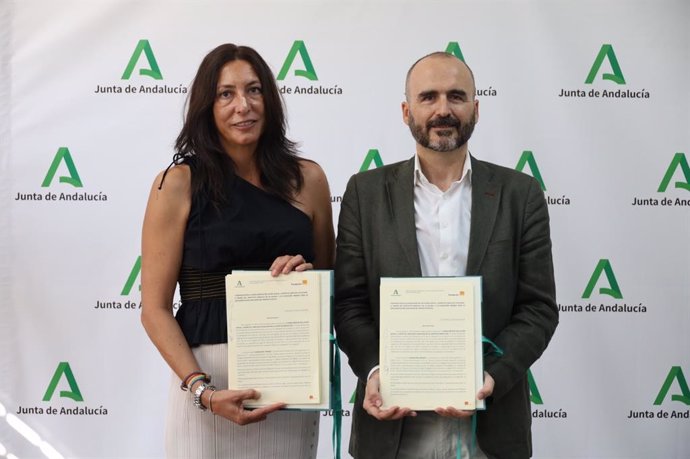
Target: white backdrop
600, 387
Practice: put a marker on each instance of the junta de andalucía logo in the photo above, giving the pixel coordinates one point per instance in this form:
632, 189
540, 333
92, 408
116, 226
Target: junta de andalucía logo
292, 74
62, 182
603, 83
142, 68
65, 395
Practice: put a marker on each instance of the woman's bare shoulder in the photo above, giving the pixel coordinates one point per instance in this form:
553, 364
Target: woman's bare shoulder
312, 173
176, 179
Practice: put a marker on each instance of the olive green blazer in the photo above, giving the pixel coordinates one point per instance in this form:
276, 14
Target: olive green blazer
510, 248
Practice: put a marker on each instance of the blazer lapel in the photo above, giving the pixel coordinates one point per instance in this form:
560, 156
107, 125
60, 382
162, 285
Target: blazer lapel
400, 196
486, 194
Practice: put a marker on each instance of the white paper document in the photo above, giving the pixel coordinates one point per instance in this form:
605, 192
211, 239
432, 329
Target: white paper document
430, 342
278, 336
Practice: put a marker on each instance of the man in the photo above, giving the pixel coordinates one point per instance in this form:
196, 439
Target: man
445, 213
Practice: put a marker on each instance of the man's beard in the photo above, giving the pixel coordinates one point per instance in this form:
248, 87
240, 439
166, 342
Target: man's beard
446, 140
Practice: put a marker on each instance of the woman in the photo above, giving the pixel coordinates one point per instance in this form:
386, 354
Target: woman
237, 198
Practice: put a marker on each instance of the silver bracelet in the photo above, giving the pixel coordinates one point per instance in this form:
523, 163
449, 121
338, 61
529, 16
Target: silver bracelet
199, 392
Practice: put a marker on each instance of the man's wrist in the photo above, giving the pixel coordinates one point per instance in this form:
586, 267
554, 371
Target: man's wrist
372, 371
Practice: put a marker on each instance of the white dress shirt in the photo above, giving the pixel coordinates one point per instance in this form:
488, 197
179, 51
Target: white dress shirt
442, 220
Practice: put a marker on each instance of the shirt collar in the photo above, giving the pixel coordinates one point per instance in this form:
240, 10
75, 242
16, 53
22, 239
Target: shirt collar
420, 178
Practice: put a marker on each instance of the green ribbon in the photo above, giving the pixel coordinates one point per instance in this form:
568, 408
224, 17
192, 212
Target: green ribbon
458, 446
336, 398
494, 347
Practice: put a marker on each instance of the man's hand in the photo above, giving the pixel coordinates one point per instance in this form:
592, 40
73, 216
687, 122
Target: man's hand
486, 391
373, 402
488, 387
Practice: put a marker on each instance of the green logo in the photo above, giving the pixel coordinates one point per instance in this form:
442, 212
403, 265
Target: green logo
604, 266
527, 159
677, 374
63, 154
133, 274
373, 156
74, 393
153, 71
678, 160
454, 49
308, 72
534, 395
606, 51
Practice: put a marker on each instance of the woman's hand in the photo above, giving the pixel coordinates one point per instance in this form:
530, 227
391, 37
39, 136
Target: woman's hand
229, 404
287, 263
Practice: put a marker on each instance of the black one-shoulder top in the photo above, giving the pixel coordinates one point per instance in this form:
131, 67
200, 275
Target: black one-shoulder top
248, 232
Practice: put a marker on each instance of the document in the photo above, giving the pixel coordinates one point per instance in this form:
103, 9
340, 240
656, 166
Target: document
430, 342
278, 336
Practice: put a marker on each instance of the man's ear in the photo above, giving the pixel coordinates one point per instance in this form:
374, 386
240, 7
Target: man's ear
405, 113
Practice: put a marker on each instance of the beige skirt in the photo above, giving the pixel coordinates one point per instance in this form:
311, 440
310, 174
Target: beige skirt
194, 434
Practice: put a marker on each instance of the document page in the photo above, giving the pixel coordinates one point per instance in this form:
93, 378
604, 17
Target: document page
428, 342
274, 336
